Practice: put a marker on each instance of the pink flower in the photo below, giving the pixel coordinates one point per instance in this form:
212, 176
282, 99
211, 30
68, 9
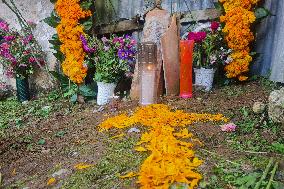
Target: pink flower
32, 60
197, 36
5, 46
4, 26
9, 38
230, 127
214, 25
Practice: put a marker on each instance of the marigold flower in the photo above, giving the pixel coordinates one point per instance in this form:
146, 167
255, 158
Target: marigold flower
238, 19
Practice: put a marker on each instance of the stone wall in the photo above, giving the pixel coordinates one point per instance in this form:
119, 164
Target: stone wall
34, 11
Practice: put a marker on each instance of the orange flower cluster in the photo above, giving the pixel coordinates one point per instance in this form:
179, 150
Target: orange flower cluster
69, 31
238, 19
172, 159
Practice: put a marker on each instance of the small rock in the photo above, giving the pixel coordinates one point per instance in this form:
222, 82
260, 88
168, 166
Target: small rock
61, 173
100, 109
133, 130
258, 107
276, 106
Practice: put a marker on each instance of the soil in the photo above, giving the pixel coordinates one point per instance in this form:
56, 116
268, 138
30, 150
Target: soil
73, 138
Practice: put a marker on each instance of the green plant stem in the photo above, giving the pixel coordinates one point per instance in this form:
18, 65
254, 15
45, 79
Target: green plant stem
258, 184
273, 172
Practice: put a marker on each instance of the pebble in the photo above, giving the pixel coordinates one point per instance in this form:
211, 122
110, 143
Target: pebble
60, 173
133, 130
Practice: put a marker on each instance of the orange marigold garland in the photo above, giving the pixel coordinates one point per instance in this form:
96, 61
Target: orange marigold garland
238, 19
69, 31
172, 158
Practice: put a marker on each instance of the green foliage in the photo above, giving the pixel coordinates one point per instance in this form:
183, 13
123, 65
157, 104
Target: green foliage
261, 13
247, 181
86, 5
71, 90
278, 147
60, 134
41, 141
88, 24
53, 20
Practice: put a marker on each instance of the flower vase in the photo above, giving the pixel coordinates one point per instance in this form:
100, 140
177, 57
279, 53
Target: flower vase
23, 91
204, 78
105, 92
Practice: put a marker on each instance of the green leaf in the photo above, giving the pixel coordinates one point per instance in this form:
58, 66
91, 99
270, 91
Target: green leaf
278, 147
88, 24
41, 141
86, 5
219, 6
261, 13
87, 91
248, 180
53, 1
63, 80
277, 185
73, 98
60, 133
53, 20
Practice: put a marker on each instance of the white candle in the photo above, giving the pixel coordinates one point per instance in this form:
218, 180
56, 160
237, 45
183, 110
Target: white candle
148, 87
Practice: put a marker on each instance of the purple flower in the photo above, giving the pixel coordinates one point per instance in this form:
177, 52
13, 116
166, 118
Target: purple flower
9, 38
106, 48
4, 26
86, 48
104, 40
123, 54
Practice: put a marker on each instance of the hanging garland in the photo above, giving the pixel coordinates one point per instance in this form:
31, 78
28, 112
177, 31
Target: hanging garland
238, 19
69, 31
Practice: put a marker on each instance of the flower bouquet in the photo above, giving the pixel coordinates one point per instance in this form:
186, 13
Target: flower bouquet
209, 52
19, 58
113, 59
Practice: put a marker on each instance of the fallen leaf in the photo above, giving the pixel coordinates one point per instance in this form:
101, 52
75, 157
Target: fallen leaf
128, 175
117, 136
81, 166
51, 181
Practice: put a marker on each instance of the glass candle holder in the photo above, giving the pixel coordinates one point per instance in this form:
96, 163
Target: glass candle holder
148, 73
148, 84
186, 57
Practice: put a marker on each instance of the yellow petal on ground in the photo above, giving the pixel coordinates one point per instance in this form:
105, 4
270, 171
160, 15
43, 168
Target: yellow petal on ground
14, 172
141, 149
81, 166
171, 159
117, 136
51, 181
128, 175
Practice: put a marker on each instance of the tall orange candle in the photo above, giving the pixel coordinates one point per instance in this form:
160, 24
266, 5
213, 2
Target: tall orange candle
186, 57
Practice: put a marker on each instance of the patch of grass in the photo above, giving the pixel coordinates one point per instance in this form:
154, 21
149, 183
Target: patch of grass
119, 158
233, 90
15, 114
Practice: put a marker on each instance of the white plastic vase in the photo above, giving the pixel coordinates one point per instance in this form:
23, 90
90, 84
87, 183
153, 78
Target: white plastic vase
105, 92
204, 78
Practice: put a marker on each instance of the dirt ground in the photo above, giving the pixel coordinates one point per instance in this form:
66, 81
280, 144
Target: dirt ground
72, 137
